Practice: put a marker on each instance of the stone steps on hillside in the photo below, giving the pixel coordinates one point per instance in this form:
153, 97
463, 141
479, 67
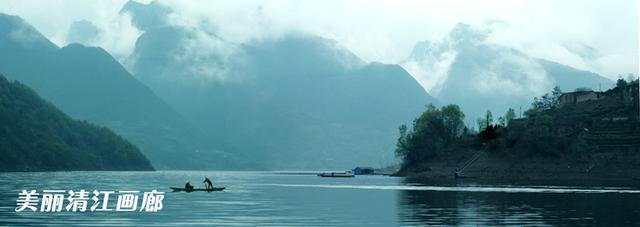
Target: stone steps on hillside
614, 136
613, 133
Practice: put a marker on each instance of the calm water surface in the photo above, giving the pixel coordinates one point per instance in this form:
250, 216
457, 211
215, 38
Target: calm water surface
286, 199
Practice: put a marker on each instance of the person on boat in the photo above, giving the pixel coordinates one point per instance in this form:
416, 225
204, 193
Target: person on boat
208, 183
188, 186
458, 173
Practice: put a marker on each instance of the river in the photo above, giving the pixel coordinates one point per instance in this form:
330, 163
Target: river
303, 199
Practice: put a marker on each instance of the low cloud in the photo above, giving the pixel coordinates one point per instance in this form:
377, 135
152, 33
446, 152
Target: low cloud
430, 70
496, 69
25, 35
512, 74
205, 55
54, 19
380, 30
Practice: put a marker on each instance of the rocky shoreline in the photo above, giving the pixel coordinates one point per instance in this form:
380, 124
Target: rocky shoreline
602, 166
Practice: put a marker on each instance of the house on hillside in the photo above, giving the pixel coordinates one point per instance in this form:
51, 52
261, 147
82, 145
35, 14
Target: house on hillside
627, 94
572, 98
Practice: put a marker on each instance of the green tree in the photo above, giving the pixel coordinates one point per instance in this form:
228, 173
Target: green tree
545, 102
502, 122
402, 146
510, 115
453, 119
434, 131
555, 96
488, 119
621, 82
482, 124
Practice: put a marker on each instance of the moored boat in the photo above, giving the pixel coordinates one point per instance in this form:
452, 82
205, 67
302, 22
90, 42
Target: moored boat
337, 174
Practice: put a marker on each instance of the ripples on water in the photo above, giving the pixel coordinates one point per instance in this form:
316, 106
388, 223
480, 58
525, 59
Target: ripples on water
276, 199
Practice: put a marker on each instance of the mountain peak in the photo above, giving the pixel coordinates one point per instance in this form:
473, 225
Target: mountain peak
17, 33
146, 16
308, 49
466, 70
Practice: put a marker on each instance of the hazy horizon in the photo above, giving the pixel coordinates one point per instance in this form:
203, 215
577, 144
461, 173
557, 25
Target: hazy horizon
589, 35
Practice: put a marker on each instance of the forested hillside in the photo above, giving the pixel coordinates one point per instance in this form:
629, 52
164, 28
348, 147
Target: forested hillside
36, 136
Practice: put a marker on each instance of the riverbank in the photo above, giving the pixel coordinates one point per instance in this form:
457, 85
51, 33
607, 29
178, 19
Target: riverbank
596, 137
502, 166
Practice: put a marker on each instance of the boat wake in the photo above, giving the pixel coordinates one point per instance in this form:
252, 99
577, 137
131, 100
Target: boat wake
502, 189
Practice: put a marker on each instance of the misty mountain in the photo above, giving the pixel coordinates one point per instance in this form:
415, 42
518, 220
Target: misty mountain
146, 16
83, 32
479, 76
293, 102
35, 136
88, 84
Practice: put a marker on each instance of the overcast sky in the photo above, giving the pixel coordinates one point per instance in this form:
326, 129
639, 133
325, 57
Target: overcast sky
383, 31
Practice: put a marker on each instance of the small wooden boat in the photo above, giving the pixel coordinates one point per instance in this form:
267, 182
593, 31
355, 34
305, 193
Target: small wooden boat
460, 175
465, 177
175, 189
337, 174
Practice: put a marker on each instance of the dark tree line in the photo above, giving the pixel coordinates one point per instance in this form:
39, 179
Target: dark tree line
438, 130
546, 130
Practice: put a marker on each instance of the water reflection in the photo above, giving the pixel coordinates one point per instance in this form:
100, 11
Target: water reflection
427, 207
273, 199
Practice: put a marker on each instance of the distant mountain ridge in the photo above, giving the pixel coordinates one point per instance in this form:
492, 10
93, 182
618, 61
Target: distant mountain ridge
35, 136
465, 70
88, 84
294, 102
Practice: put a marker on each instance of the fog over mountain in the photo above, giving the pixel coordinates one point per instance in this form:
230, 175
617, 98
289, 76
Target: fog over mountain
466, 70
294, 102
282, 84
88, 84
383, 31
